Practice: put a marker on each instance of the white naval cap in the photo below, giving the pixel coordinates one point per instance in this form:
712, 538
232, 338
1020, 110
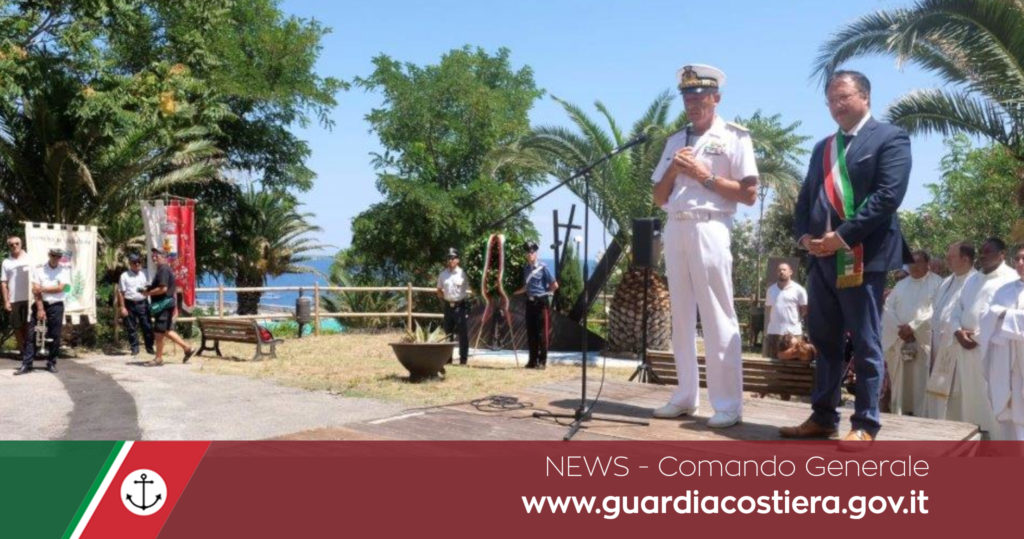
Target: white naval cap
699, 79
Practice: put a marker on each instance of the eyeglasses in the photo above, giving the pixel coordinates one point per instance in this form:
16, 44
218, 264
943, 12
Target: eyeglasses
845, 98
13, 243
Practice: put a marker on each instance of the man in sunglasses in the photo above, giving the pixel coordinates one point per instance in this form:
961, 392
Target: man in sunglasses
50, 282
14, 285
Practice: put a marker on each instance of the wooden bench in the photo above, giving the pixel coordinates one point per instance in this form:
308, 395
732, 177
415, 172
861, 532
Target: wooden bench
760, 375
243, 331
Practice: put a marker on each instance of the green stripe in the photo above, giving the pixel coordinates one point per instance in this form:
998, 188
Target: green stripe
43, 484
92, 490
844, 176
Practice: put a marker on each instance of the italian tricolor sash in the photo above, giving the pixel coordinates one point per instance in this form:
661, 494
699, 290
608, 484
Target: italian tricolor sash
849, 264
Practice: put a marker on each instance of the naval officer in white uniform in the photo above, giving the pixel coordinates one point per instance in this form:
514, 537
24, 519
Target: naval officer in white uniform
704, 171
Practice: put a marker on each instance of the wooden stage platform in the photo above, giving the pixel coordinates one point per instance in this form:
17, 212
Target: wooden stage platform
512, 419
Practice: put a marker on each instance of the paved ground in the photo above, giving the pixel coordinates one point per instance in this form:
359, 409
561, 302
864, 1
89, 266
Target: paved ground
107, 397
101, 397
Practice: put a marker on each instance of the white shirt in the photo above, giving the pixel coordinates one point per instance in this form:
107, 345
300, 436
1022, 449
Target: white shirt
785, 314
48, 277
725, 148
453, 284
15, 273
856, 129
130, 283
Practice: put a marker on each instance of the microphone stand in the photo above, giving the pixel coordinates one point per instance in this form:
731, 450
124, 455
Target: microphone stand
583, 413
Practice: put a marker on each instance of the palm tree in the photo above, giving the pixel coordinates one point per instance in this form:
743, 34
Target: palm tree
975, 48
776, 149
359, 302
620, 191
266, 235
59, 167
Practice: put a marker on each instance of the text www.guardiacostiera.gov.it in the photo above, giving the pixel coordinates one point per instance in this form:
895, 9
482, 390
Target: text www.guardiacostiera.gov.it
693, 503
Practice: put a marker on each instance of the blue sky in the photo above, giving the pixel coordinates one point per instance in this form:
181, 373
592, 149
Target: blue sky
621, 53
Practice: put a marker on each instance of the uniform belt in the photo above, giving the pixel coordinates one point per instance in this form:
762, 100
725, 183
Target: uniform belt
696, 215
134, 301
52, 303
454, 304
536, 299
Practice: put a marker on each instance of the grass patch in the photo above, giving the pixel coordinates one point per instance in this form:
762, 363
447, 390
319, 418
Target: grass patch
363, 365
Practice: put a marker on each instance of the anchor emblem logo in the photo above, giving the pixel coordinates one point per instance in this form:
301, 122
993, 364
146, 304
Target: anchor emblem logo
143, 492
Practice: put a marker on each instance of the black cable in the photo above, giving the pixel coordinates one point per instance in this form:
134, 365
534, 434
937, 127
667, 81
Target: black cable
500, 403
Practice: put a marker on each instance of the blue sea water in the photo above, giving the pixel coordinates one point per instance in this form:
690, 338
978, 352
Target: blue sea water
278, 299
287, 299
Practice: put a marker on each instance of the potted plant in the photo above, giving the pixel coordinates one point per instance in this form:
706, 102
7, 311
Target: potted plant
423, 353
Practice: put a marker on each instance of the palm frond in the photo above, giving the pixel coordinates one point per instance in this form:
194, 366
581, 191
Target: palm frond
937, 111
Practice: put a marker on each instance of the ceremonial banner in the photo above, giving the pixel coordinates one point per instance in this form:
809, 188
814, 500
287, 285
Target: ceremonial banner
79, 245
170, 227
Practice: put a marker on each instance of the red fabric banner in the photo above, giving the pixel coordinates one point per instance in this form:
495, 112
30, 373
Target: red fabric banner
179, 243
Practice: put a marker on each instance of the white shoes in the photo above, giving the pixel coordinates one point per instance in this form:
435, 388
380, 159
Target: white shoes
673, 410
722, 420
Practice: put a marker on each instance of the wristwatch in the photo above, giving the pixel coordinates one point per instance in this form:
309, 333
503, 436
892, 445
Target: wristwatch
710, 182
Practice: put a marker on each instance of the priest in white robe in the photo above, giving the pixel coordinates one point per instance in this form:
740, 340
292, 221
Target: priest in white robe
970, 389
960, 261
906, 336
1002, 342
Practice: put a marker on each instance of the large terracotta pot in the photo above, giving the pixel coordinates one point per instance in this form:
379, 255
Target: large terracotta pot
423, 360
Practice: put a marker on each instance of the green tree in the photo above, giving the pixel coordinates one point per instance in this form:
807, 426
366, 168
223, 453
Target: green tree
82, 137
969, 201
570, 281
973, 46
439, 125
620, 190
267, 235
777, 149
261, 65
359, 302
109, 103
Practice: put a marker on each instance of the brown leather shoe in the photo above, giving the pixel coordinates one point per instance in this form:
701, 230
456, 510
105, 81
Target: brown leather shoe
858, 435
808, 429
856, 440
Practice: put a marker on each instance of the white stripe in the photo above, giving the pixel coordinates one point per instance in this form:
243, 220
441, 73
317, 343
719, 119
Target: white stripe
395, 418
87, 516
837, 179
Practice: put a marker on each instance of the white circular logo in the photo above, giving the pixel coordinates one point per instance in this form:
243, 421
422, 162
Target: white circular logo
143, 492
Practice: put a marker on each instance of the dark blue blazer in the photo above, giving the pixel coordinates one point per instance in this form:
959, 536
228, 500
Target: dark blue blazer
878, 160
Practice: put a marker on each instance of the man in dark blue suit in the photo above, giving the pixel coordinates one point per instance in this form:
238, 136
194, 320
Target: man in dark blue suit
846, 220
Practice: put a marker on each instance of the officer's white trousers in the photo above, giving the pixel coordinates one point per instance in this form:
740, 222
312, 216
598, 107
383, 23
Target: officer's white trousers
699, 267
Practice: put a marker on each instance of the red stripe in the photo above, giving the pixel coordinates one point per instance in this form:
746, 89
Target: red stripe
830, 187
547, 327
173, 461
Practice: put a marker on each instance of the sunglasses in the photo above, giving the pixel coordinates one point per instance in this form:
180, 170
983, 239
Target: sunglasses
14, 244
